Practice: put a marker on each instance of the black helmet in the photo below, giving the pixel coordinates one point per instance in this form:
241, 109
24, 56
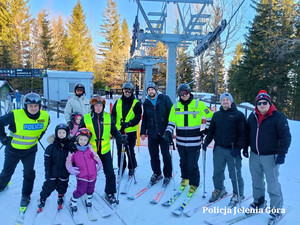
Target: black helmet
151, 84
183, 87
74, 115
128, 85
62, 126
79, 86
32, 98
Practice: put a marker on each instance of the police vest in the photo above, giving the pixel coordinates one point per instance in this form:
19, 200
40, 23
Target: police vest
130, 116
105, 139
188, 130
28, 130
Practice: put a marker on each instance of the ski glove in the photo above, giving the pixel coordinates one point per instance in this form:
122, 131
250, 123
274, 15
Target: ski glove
203, 133
280, 158
168, 136
204, 147
99, 166
4, 140
73, 170
124, 140
125, 125
245, 153
70, 125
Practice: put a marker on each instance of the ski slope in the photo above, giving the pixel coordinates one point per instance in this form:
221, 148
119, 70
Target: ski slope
140, 210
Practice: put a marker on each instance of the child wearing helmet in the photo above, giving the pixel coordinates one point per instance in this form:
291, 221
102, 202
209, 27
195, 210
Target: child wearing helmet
84, 163
74, 123
56, 174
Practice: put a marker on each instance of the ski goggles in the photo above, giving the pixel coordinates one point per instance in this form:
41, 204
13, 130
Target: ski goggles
127, 90
184, 93
84, 131
80, 90
261, 103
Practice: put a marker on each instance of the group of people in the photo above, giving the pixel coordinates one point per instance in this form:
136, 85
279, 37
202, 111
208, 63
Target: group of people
86, 136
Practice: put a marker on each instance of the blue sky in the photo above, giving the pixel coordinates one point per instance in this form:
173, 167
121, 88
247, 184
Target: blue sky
127, 9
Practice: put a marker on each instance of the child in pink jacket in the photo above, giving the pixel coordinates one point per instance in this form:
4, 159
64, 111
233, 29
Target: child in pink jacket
84, 163
74, 123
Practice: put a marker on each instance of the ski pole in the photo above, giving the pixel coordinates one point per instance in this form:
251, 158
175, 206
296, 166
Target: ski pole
113, 150
121, 170
204, 166
174, 188
42, 145
1, 147
236, 177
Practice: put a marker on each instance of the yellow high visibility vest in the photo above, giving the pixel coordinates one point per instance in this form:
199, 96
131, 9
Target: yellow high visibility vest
129, 116
28, 130
105, 139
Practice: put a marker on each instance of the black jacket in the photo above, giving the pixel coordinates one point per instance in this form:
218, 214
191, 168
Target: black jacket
126, 105
227, 127
97, 120
55, 159
155, 118
272, 136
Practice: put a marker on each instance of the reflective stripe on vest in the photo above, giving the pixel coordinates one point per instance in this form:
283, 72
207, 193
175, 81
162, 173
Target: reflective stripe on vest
28, 130
105, 139
130, 115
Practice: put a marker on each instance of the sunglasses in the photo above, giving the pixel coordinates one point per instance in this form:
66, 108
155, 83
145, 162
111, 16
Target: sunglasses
262, 103
127, 90
184, 93
79, 90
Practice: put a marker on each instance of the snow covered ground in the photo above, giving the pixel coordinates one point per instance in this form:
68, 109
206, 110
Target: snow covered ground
140, 211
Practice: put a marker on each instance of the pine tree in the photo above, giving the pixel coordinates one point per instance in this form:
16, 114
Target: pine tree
79, 42
185, 67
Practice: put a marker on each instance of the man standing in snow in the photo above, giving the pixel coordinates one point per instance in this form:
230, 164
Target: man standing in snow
155, 121
77, 103
269, 140
27, 126
186, 117
228, 129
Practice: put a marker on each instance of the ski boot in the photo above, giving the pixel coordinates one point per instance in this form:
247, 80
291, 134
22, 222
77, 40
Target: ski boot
111, 199
166, 181
25, 200
256, 207
274, 218
41, 205
73, 204
217, 194
60, 201
155, 178
192, 190
88, 200
235, 200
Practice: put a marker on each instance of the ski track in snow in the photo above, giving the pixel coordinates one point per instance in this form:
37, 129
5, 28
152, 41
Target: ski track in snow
140, 211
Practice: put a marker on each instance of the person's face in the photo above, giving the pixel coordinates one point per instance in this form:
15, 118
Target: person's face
83, 140
61, 134
33, 108
263, 106
79, 91
98, 108
127, 92
226, 103
78, 119
185, 95
151, 92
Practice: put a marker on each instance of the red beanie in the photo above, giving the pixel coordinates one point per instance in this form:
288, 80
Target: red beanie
263, 95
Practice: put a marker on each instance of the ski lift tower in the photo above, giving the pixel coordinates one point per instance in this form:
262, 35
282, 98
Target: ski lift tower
191, 24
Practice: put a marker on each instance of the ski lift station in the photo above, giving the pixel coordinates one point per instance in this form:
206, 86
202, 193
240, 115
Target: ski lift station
59, 85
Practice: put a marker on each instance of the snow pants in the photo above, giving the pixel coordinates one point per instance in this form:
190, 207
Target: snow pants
263, 167
110, 183
84, 187
189, 164
221, 158
58, 184
131, 138
153, 146
12, 158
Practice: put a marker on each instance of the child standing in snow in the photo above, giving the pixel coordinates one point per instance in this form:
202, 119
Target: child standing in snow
84, 163
56, 174
74, 122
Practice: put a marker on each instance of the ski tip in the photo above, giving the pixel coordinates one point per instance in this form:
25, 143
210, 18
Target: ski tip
153, 202
130, 197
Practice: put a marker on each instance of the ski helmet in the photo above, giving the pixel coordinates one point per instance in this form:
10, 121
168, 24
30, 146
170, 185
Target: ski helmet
128, 85
74, 115
151, 84
79, 86
183, 87
32, 98
85, 132
62, 126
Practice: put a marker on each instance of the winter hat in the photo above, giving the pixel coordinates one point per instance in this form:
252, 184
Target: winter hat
151, 84
74, 116
263, 95
97, 100
226, 95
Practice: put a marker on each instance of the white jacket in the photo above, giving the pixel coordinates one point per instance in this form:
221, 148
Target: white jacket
76, 104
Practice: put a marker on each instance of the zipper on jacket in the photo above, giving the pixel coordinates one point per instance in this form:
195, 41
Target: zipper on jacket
87, 168
257, 132
98, 142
